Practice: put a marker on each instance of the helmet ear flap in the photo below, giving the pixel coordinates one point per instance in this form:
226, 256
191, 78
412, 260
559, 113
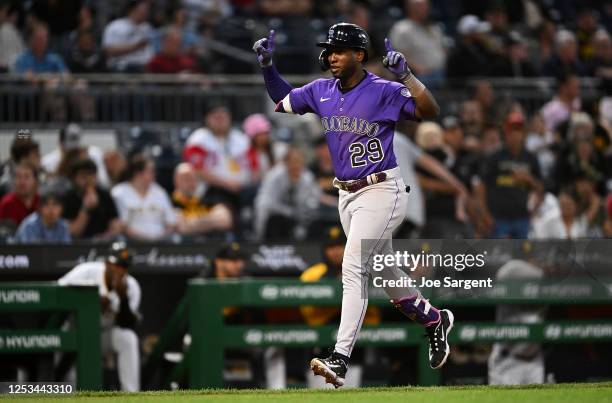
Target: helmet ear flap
323, 60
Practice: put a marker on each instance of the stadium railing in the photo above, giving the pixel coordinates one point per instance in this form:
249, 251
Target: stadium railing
83, 339
183, 98
210, 336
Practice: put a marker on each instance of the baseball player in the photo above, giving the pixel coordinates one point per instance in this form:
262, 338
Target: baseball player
120, 299
358, 112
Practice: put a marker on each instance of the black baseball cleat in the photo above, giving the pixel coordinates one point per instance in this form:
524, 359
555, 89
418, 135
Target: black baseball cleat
332, 368
438, 339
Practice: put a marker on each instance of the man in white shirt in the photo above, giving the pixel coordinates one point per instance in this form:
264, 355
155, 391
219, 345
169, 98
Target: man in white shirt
219, 154
128, 41
120, 300
143, 205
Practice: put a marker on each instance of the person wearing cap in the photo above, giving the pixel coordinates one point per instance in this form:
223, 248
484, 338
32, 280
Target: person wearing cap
507, 178
471, 57
90, 209
330, 268
127, 41
219, 154
120, 296
446, 214
70, 138
257, 127
46, 225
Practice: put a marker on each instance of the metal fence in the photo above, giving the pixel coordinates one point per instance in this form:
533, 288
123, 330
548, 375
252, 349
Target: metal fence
114, 98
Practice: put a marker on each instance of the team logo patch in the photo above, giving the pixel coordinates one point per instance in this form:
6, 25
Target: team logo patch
405, 92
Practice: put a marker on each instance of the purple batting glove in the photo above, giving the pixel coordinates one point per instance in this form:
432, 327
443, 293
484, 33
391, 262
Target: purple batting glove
396, 62
264, 49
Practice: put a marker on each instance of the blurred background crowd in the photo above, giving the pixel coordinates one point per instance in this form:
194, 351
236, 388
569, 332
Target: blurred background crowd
529, 169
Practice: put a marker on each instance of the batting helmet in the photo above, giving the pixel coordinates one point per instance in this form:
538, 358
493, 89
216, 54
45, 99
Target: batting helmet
344, 35
119, 254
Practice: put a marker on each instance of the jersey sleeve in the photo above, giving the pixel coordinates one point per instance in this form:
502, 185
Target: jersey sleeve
398, 103
301, 100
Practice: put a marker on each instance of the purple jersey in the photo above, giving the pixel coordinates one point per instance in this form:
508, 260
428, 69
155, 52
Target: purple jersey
358, 124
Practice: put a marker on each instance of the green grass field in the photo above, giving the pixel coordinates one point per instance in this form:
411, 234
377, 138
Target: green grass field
574, 393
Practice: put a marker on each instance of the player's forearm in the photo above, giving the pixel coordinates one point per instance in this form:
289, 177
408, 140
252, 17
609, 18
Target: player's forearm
426, 105
276, 86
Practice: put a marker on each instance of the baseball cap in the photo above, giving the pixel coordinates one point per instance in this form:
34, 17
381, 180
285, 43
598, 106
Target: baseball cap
255, 124
71, 136
470, 24
231, 251
335, 236
119, 254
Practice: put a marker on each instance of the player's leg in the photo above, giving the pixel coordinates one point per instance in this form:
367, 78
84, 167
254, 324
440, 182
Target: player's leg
370, 214
125, 343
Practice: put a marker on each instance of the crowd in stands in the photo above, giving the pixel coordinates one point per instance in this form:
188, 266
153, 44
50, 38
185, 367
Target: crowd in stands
492, 168
441, 38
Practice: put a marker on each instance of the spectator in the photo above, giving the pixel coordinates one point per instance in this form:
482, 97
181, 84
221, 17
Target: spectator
11, 43
600, 64
542, 143
46, 224
586, 27
70, 138
471, 56
143, 205
565, 101
515, 62
219, 154
85, 55
204, 12
580, 156
564, 223
286, 201
421, 40
565, 59
22, 151
23, 200
127, 41
472, 118
37, 59
445, 213
171, 59
116, 165
497, 18
120, 296
490, 143
189, 37
590, 204
257, 127
508, 176
196, 217
544, 47
409, 157
90, 209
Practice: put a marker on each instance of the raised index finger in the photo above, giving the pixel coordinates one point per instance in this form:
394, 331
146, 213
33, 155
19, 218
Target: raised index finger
388, 45
271, 36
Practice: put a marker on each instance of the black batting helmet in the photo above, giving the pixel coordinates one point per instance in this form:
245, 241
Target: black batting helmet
347, 35
119, 254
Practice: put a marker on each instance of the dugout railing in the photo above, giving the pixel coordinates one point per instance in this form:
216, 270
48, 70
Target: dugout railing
83, 338
211, 336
